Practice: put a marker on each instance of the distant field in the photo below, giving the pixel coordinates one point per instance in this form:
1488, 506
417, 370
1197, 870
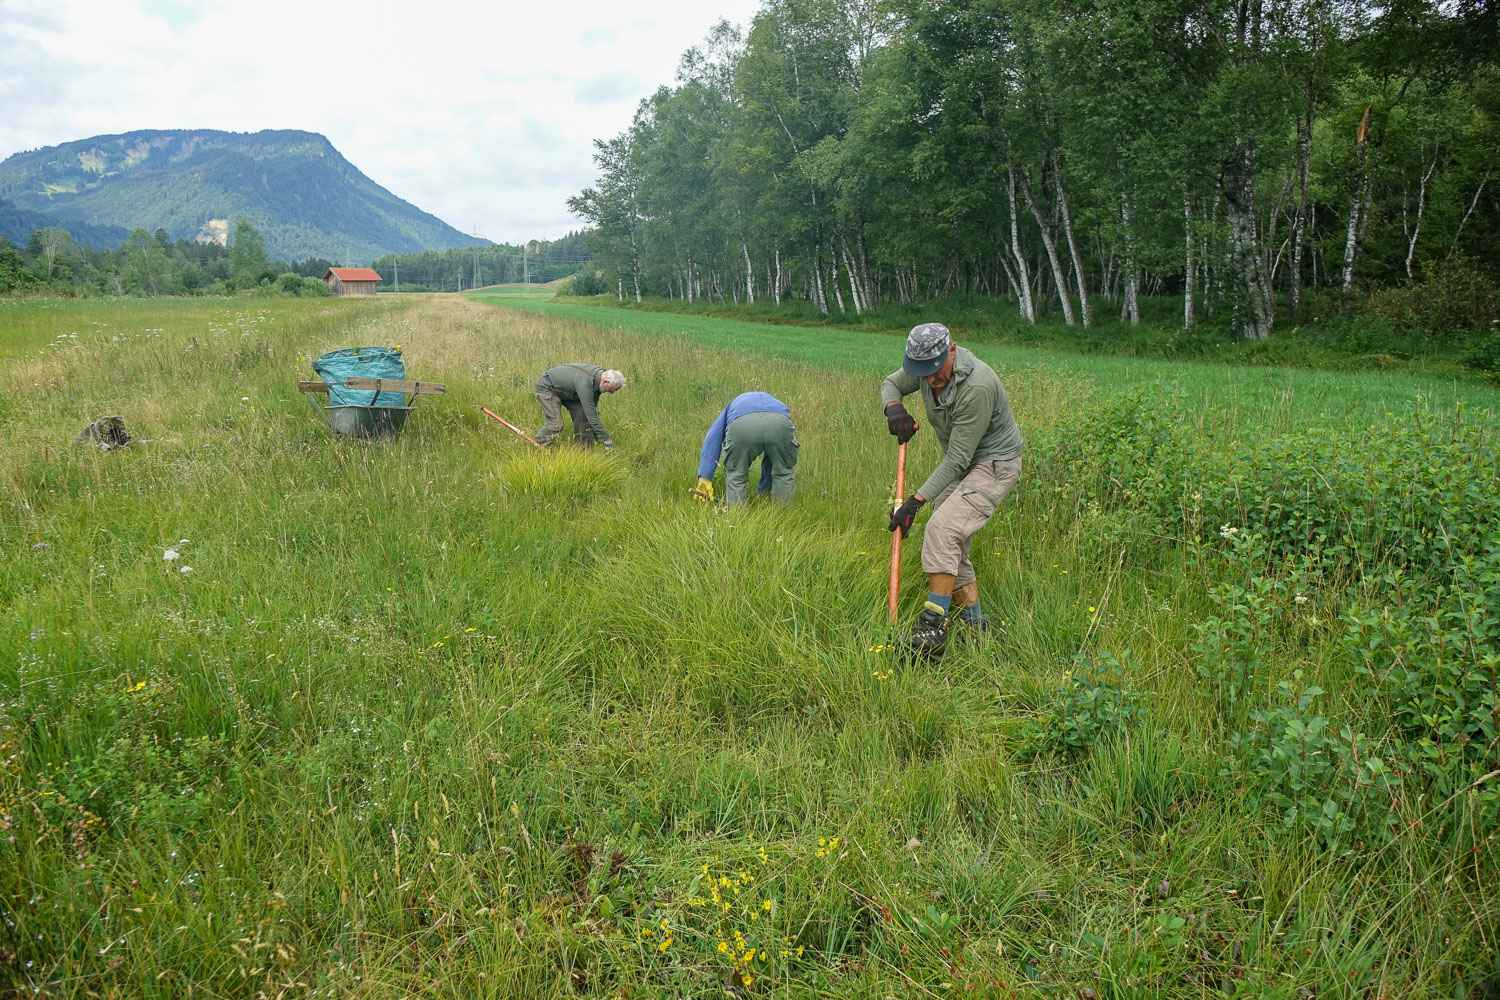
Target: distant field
1245, 400
441, 716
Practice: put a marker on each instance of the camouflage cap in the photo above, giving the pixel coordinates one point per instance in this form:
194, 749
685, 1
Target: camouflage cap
926, 347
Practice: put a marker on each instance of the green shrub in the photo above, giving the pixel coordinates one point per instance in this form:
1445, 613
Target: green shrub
1431, 658
1093, 704
1417, 492
297, 285
588, 281
1455, 297
1320, 780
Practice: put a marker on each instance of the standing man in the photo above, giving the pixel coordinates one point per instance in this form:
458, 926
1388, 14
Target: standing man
753, 424
968, 409
576, 386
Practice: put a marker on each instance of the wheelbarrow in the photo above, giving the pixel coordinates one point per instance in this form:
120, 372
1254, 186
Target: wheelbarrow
367, 391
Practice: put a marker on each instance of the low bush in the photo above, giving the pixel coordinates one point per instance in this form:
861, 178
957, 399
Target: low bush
1095, 703
1322, 780
1417, 493
1454, 298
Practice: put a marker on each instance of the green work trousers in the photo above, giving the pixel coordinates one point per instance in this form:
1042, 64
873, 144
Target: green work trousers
769, 436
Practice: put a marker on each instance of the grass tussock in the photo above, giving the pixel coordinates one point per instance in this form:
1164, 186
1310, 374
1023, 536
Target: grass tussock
441, 716
561, 475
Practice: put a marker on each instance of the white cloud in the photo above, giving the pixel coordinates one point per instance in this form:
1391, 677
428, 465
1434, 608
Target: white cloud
483, 115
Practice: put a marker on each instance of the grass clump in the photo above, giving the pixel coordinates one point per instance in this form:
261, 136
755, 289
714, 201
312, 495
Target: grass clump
562, 475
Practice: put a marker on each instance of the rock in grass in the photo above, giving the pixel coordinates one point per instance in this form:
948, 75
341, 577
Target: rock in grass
107, 432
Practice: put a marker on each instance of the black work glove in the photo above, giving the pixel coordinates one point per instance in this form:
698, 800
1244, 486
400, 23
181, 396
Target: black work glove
900, 422
903, 515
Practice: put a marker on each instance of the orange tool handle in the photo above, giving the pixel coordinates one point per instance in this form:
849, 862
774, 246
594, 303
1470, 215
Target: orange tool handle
890, 602
511, 427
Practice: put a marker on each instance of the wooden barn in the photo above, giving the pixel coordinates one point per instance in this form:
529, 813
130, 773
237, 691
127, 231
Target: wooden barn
351, 280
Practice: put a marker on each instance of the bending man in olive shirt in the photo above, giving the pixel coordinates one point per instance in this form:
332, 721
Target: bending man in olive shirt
578, 387
968, 409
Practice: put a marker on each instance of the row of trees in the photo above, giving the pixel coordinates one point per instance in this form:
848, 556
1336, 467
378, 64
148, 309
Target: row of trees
536, 261
150, 264
1235, 153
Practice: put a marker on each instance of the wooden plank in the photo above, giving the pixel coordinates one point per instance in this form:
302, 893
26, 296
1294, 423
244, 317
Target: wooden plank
312, 387
395, 385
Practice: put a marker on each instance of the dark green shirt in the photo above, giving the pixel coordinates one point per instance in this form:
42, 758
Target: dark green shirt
577, 383
971, 418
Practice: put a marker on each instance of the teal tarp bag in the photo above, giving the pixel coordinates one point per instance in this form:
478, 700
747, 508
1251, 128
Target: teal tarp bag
364, 362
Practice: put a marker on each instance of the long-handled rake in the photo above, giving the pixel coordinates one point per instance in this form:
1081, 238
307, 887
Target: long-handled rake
511, 427
896, 535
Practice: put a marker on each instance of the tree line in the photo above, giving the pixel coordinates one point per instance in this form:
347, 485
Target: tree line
1244, 157
51, 262
535, 261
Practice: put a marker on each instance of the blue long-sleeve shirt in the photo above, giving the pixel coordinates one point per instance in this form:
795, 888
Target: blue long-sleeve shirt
713, 441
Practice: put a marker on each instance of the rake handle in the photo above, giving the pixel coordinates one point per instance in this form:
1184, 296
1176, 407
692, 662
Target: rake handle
511, 427
890, 602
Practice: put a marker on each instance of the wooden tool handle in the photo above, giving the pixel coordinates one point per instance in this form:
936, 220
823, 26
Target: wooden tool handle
896, 535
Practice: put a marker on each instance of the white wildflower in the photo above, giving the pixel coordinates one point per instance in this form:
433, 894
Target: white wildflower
171, 555
185, 570
1227, 531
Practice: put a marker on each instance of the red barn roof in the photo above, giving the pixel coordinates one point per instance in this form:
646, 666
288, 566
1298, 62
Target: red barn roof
353, 274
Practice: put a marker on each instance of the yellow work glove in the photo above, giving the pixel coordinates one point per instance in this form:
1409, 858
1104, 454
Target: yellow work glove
704, 490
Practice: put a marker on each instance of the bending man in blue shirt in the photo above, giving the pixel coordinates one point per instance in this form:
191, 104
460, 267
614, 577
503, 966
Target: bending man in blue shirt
753, 424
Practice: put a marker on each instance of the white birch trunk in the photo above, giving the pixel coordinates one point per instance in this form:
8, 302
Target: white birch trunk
817, 277
1051, 246
749, 276
1252, 303
1189, 269
1300, 225
1356, 205
833, 270
856, 294
1021, 281
776, 287
1411, 246
1473, 202
1130, 307
1079, 275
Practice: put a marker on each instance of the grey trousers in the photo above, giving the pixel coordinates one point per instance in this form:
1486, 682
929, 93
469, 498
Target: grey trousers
769, 436
960, 511
552, 425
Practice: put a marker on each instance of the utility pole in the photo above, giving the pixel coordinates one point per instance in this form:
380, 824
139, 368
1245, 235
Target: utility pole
396, 265
525, 265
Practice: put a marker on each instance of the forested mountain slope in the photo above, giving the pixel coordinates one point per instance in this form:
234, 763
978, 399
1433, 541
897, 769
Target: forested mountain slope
295, 187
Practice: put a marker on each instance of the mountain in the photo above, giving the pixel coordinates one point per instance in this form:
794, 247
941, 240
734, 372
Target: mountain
300, 192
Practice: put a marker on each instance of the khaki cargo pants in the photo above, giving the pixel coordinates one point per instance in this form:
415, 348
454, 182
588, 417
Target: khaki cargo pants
552, 424
960, 511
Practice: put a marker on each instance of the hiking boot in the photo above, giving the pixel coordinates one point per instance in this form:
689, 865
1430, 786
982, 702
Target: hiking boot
929, 634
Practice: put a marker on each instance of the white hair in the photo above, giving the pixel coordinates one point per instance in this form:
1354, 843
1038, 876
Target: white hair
611, 381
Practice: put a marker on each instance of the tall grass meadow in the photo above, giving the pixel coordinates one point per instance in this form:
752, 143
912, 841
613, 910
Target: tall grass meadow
289, 715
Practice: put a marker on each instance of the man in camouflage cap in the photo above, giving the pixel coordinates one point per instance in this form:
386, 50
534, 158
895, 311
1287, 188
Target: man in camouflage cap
967, 407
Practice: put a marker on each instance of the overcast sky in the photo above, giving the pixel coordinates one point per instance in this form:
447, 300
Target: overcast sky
482, 114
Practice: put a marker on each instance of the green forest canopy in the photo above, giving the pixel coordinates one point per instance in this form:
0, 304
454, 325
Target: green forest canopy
1239, 155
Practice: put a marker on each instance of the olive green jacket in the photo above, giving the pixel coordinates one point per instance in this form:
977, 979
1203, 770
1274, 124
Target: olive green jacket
971, 417
577, 382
